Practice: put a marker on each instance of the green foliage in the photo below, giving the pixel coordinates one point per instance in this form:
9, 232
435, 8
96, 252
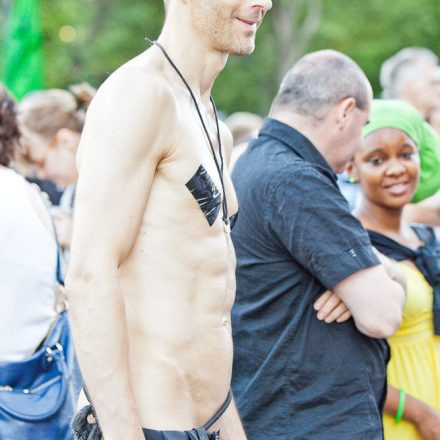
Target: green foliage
371, 31
109, 32
24, 51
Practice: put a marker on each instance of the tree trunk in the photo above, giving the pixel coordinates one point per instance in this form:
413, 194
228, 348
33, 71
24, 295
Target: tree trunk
295, 22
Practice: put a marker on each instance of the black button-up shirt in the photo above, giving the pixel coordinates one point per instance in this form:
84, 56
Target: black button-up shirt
296, 377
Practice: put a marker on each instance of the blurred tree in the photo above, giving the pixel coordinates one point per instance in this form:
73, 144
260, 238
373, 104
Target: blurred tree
23, 71
107, 33
294, 23
371, 31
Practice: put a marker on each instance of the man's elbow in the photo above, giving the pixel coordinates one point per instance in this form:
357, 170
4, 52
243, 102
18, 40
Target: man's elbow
382, 326
383, 329
79, 283
87, 283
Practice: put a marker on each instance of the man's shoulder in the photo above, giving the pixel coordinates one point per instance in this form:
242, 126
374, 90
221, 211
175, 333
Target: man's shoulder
268, 155
283, 156
132, 112
279, 168
136, 85
301, 174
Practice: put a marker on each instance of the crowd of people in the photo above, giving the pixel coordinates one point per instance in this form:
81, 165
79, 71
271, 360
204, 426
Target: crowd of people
268, 279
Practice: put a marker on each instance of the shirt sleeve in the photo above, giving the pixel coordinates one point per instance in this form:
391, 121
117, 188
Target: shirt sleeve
311, 218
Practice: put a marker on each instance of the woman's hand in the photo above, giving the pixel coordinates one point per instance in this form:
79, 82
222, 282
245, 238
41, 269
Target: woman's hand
422, 416
428, 423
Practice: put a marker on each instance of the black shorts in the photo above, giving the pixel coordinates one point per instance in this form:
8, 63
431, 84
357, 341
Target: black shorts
194, 434
85, 427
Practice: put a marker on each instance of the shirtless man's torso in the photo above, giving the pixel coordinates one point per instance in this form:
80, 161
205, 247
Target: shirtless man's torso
152, 272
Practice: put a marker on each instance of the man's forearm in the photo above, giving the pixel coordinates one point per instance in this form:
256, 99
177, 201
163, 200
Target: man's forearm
375, 301
392, 269
100, 335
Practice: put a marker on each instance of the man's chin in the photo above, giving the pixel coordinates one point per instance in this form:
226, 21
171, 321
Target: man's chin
243, 50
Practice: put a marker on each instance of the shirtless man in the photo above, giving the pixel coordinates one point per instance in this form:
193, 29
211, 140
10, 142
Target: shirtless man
151, 280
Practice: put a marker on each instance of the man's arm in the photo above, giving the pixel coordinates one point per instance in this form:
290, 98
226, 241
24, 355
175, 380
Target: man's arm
230, 423
375, 301
124, 139
392, 269
331, 308
313, 221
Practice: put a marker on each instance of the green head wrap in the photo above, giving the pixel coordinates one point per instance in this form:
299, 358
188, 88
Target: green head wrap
404, 117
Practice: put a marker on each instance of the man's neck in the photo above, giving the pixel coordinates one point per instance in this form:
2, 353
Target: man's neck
199, 64
313, 131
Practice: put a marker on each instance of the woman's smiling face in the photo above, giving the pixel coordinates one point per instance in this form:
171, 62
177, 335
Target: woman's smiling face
387, 167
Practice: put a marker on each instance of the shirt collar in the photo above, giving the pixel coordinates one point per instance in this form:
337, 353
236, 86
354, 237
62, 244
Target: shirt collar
297, 142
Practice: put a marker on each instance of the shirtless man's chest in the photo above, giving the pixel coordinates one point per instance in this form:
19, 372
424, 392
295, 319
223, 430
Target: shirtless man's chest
178, 281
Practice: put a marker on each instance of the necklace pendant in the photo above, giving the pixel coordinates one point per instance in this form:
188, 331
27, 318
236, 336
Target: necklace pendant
226, 226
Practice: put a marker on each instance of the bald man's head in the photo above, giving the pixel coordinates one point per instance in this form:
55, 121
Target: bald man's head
318, 81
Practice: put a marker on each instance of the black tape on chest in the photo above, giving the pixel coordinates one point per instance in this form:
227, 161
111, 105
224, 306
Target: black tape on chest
206, 193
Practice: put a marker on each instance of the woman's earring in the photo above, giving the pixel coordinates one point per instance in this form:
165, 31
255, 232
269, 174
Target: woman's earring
353, 180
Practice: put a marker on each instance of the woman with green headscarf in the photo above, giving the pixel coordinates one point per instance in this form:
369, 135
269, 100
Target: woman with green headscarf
398, 162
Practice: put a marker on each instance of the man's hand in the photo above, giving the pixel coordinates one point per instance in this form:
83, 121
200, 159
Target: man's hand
331, 308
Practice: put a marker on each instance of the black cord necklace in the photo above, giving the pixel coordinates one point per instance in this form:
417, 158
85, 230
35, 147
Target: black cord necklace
219, 167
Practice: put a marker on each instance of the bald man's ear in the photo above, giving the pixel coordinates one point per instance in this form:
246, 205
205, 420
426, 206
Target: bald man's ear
344, 109
352, 171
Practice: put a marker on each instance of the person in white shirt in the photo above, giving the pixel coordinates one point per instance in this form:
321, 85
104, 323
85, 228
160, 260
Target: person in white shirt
28, 252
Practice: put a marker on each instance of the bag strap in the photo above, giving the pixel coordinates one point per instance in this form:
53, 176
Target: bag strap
60, 300
60, 296
59, 273
425, 233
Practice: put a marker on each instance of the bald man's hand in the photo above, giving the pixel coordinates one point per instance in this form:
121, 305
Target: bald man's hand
331, 308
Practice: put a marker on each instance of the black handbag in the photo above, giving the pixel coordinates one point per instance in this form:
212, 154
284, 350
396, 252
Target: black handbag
38, 396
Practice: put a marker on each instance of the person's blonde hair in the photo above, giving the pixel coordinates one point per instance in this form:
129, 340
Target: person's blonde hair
46, 112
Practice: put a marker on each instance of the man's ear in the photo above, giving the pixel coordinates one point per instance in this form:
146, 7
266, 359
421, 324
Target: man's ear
344, 108
352, 171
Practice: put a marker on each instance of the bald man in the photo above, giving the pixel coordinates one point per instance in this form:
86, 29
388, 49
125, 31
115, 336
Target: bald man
301, 369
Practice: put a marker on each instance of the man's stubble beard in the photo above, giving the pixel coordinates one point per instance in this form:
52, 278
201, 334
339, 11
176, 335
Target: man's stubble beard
223, 38
231, 44
228, 40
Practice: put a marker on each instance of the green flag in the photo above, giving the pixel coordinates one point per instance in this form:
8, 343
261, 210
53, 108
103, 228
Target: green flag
23, 48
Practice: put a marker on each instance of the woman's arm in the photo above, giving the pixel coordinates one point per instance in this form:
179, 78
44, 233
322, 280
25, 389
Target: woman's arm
425, 418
